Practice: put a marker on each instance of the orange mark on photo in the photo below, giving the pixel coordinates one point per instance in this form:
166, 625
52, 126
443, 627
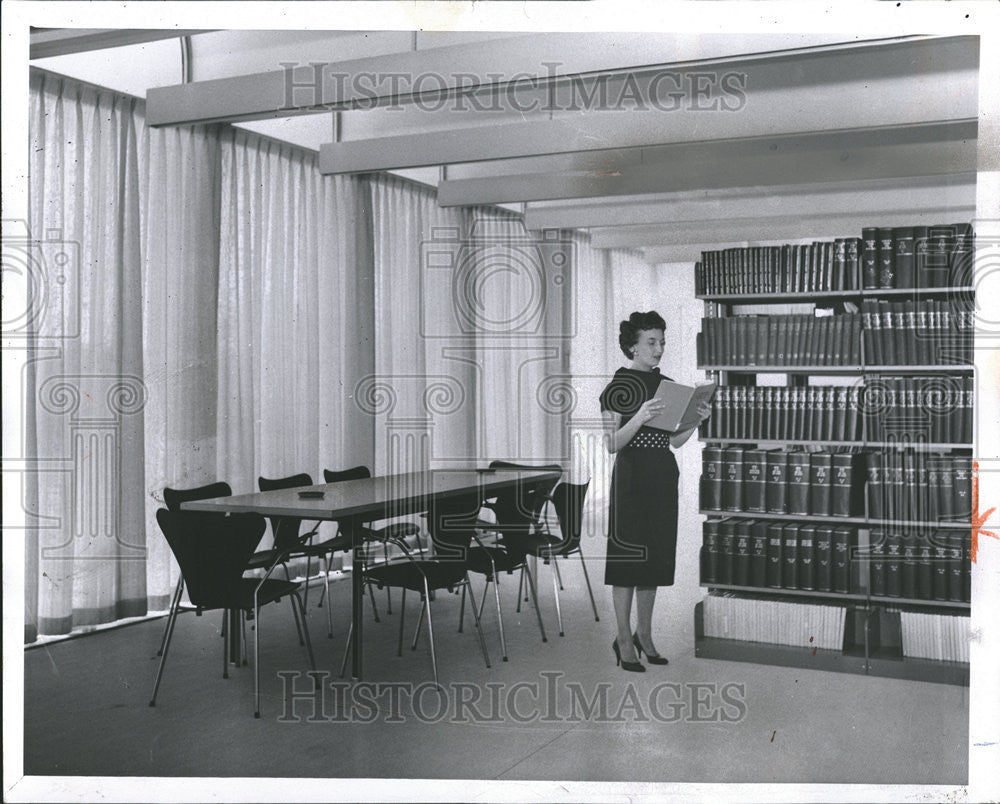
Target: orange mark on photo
978, 518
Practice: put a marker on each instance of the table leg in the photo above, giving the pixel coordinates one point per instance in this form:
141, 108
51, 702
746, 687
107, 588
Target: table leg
357, 601
235, 634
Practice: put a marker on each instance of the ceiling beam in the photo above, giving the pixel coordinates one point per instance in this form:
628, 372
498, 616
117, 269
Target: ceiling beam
829, 156
819, 227
842, 89
919, 193
63, 41
481, 67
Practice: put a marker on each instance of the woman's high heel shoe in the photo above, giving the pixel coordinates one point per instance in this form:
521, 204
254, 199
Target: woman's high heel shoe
652, 658
632, 667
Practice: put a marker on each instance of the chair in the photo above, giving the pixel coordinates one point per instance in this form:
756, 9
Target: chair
173, 499
289, 543
517, 518
567, 499
451, 523
213, 552
396, 530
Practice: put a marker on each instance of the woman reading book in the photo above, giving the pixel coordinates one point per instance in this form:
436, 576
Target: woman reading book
642, 518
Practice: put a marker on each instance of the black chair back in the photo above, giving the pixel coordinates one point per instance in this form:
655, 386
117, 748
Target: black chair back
174, 497
451, 523
285, 528
568, 500
212, 552
524, 502
354, 473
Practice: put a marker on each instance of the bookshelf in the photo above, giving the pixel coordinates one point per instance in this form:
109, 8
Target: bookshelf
814, 319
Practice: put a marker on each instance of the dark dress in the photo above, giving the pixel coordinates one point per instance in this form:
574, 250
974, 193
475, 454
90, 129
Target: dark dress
642, 518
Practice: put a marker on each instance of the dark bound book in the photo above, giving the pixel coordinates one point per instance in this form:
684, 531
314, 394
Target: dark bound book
790, 556
775, 559
904, 267
956, 591
807, 557
732, 479
727, 547
893, 564
710, 552
886, 258
925, 567
820, 464
754, 486
852, 264
758, 553
876, 486
962, 488
869, 257
824, 558
876, 563
844, 538
777, 468
908, 567
741, 556
711, 478
960, 268
920, 246
798, 482
846, 495
940, 557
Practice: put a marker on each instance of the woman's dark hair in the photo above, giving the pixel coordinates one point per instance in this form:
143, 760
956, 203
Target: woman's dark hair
628, 331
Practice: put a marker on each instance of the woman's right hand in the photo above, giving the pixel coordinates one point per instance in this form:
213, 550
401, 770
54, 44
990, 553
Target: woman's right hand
650, 409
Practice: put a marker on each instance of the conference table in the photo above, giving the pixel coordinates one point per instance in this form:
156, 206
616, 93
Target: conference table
354, 502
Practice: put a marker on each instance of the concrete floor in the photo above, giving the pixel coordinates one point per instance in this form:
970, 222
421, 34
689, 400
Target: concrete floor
695, 720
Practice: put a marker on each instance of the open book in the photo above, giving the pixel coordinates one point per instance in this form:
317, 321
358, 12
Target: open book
680, 405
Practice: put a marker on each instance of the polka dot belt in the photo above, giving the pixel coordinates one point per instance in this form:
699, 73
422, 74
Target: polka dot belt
650, 438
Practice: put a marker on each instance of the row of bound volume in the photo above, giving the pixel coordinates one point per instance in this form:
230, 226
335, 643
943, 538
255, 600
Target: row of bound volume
933, 565
779, 481
780, 340
917, 333
933, 409
917, 256
919, 486
779, 555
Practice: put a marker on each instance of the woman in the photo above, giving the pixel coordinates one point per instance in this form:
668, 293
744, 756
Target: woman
642, 519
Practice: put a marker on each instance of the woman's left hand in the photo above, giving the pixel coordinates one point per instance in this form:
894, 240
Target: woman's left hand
705, 410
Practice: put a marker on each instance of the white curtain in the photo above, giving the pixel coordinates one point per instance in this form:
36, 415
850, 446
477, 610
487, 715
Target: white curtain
294, 315
84, 395
516, 289
180, 288
423, 391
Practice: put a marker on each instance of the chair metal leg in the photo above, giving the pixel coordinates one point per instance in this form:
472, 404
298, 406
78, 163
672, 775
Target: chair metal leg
479, 625
388, 589
556, 586
590, 592
534, 597
555, 566
520, 586
256, 657
175, 601
461, 612
420, 621
305, 592
326, 594
402, 617
430, 633
496, 594
309, 647
243, 641
347, 650
299, 622
171, 620
225, 643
